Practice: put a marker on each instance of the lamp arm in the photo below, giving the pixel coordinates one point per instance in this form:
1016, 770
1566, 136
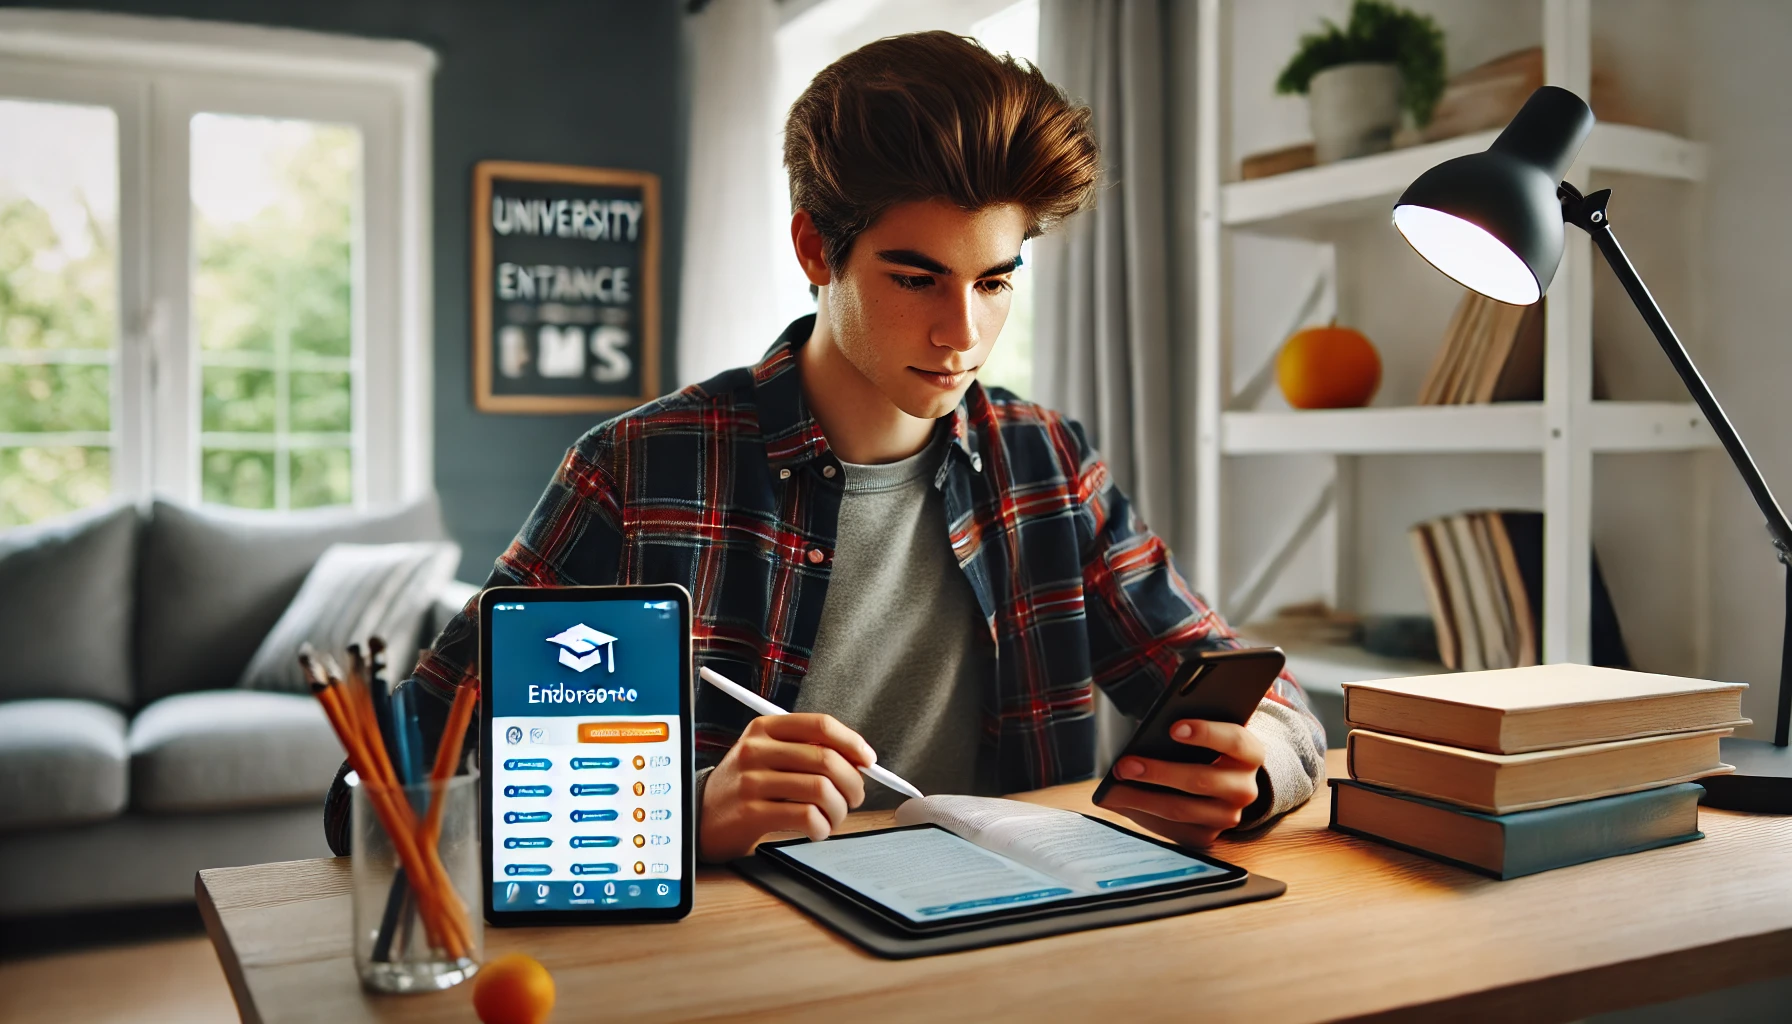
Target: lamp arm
1589, 214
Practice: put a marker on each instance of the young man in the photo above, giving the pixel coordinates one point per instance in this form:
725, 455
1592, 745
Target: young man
911, 563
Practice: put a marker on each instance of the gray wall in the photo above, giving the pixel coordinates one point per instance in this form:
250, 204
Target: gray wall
593, 82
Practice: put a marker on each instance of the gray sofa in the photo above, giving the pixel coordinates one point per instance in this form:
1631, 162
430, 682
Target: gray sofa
129, 759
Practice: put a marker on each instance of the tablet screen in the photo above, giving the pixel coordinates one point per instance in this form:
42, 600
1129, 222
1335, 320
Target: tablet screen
587, 764
924, 874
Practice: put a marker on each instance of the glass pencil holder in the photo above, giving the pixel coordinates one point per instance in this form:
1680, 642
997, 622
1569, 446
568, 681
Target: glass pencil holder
417, 934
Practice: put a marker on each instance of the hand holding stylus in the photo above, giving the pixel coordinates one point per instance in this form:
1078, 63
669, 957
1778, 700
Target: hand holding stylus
786, 773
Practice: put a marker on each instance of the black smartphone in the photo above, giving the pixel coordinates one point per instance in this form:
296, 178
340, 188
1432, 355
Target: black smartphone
1215, 686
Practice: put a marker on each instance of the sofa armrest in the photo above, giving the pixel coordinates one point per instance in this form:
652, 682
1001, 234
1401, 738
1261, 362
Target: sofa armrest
446, 604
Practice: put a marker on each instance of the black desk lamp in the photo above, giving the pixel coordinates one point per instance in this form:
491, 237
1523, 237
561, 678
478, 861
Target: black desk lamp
1493, 221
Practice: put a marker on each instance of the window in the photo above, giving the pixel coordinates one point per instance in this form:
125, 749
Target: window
213, 265
273, 244
58, 307
1014, 30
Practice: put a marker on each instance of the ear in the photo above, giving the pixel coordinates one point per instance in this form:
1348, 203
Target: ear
808, 244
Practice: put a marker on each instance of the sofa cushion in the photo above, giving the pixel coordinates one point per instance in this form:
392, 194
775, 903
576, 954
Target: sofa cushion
230, 750
62, 762
65, 606
212, 582
355, 591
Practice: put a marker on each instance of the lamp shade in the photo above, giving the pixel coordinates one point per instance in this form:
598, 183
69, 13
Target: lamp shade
1492, 220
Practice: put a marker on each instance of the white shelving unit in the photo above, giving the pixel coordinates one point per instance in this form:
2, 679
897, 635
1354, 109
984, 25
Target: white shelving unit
1566, 429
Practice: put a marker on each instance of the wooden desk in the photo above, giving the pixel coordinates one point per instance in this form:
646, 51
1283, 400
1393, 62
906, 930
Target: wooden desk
1364, 930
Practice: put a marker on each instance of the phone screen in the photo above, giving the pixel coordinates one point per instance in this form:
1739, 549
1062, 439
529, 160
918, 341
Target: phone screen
587, 772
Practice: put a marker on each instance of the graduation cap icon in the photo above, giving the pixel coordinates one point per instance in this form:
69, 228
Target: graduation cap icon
582, 647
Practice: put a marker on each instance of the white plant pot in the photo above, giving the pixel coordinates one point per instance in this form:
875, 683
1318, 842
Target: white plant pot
1353, 110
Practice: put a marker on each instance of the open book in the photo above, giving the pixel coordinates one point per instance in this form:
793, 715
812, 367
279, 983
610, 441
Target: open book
995, 856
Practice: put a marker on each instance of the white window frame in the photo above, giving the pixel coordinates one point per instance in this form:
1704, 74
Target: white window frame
156, 73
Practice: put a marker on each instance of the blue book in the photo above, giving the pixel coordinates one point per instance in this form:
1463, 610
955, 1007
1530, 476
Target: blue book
1521, 842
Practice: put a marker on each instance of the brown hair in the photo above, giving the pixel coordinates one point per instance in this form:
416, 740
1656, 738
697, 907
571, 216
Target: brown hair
933, 115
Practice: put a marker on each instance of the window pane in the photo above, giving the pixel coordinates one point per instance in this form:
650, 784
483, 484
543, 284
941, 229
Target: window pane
274, 215
35, 398
320, 402
38, 483
320, 476
1013, 30
58, 303
244, 479
238, 401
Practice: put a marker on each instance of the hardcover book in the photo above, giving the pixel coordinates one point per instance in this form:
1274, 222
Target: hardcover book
1523, 842
1542, 707
1500, 783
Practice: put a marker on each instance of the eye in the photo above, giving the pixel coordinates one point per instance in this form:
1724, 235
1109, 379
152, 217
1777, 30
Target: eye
994, 285
911, 282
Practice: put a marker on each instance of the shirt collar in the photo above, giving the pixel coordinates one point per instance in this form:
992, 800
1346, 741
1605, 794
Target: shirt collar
793, 438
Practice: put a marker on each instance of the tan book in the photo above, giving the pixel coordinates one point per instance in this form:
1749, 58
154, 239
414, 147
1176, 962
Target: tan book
1462, 609
1431, 572
1506, 324
1543, 707
1518, 597
1496, 584
1276, 161
1502, 783
1446, 352
1477, 575
1520, 377
1468, 349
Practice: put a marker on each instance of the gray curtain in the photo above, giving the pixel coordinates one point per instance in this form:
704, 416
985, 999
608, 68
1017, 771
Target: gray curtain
1102, 333
1102, 348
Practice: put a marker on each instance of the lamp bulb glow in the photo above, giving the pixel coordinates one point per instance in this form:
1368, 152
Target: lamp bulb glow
1468, 253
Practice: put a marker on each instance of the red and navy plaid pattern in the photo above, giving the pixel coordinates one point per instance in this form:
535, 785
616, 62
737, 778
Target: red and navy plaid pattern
723, 488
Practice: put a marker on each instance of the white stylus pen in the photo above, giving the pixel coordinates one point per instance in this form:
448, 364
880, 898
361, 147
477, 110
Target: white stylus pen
766, 707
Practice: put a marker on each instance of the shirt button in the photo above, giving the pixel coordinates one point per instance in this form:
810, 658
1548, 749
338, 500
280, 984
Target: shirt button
815, 556
783, 474
827, 471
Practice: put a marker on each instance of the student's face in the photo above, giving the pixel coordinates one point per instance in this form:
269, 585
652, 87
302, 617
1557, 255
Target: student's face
922, 297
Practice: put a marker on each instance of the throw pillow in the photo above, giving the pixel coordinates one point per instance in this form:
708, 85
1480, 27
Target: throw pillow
66, 593
211, 582
355, 591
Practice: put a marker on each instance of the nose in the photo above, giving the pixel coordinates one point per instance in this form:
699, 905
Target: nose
957, 327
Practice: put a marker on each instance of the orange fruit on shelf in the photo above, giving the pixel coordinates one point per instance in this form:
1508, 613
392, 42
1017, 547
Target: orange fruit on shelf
513, 989
1328, 367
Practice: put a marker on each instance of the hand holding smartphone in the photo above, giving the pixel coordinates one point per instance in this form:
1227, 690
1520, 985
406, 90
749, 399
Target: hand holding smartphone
1215, 686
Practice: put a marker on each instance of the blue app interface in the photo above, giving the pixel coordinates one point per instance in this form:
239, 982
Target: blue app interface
587, 763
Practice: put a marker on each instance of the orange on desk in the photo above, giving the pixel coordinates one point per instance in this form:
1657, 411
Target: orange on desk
513, 989
1328, 367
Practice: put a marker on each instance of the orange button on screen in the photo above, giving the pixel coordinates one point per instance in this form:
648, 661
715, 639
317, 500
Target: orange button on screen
623, 732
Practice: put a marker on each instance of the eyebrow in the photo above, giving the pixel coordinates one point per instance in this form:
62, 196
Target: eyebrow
921, 261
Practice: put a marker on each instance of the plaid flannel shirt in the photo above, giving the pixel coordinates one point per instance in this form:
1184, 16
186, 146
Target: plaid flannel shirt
723, 487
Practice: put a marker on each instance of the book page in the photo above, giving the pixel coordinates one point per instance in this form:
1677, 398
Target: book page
927, 874
1059, 843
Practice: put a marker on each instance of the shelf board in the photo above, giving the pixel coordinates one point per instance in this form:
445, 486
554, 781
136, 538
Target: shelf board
1421, 429
1314, 200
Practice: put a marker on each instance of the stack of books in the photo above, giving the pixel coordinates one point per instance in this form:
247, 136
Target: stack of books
1492, 352
1522, 770
1483, 575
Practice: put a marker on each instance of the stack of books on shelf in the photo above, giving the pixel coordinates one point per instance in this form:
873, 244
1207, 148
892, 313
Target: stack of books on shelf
1483, 576
1492, 352
1523, 770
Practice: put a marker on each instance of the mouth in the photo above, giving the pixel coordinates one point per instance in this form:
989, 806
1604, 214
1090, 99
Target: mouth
945, 381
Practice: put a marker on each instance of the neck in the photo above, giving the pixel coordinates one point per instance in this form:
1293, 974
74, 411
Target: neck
861, 424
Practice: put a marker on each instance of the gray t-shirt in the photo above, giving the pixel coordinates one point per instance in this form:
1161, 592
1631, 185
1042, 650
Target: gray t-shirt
903, 654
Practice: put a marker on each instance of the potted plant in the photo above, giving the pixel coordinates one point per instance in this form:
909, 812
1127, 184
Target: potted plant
1360, 77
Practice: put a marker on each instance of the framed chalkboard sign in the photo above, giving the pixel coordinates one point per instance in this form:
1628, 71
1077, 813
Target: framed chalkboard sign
566, 289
